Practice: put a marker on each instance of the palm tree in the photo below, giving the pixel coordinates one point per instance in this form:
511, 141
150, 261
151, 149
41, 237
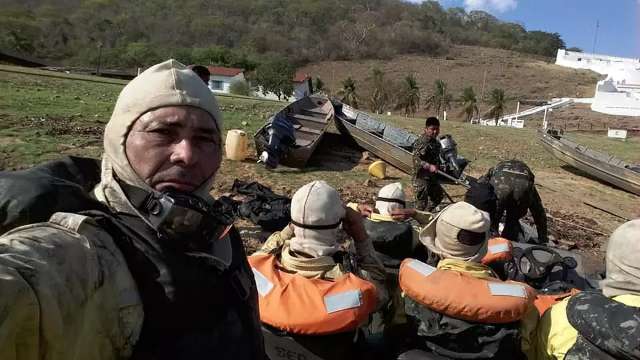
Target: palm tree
440, 100
348, 92
409, 97
469, 103
380, 94
498, 102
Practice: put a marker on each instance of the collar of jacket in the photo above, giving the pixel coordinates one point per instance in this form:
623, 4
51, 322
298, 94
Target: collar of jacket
474, 269
379, 217
301, 264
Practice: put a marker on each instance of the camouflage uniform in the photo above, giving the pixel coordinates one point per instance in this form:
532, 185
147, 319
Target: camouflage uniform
427, 190
513, 182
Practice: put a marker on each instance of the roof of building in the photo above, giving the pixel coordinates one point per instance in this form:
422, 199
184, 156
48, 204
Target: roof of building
300, 77
224, 71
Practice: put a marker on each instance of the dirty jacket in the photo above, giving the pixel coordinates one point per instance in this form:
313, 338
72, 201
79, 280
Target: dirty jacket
425, 150
555, 336
68, 292
325, 267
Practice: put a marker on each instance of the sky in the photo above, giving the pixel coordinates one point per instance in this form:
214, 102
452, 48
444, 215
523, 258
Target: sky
574, 20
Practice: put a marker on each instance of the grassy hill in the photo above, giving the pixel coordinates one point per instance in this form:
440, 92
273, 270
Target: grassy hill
521, 76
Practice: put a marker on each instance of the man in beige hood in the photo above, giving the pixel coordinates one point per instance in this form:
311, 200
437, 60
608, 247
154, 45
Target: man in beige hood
311, 251
158, 272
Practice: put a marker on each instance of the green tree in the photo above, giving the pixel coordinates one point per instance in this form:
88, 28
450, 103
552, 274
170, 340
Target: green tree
318, 85
240, 87
409, 97
348, 93
379, 98
469, 103
275, 75
440, 99
497, 102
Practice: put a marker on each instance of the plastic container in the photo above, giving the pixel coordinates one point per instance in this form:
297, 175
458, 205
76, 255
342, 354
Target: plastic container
236, 145
378, 169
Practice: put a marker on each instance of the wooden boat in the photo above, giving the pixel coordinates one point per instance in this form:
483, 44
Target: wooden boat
310, 117
390, 144
599, 165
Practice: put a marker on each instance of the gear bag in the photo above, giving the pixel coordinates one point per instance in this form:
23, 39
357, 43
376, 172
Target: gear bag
270, 211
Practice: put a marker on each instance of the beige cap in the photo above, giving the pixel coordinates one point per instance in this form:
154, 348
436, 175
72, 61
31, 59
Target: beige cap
622, 265
392, 191
316, 204
166, 84
440, 236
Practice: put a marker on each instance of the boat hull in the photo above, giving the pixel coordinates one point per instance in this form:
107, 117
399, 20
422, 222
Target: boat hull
310, 117
587, 160
385, 150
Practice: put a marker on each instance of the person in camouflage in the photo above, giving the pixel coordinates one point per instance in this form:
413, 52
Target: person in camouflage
426, 163
513, 182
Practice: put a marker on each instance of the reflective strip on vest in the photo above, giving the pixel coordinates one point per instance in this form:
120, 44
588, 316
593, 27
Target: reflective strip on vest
421, 267
343, 301
498, 289
498, 248
262, 283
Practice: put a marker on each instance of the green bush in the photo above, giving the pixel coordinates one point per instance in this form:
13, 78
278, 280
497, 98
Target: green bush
240, 87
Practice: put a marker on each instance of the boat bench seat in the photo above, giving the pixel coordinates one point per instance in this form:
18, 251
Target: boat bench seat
307, 129
315, 119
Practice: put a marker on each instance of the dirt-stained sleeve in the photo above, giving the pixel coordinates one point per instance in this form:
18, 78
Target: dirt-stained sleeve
276, 240
420, 149
372, 269
65, 297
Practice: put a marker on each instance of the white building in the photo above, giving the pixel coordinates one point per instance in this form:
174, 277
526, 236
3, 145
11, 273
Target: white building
222, 77
301, 88
619, 92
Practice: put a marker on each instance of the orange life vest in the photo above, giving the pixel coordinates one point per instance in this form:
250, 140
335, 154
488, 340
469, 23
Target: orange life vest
498, 249
299, 305
463, 296
544, 302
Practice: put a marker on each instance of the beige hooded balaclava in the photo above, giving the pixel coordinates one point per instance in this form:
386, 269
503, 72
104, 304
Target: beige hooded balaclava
166, 84
440, 236
622, 261
392, 191
316, 204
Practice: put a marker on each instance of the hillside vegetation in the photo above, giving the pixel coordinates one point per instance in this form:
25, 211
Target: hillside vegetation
131, 34
520, 76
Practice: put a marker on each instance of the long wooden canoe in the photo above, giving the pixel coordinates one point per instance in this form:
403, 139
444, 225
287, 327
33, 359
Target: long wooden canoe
599, 165
310, 117
390, 144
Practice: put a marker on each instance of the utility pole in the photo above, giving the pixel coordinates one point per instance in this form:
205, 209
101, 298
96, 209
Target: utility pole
99, 58
595, 37
484, 79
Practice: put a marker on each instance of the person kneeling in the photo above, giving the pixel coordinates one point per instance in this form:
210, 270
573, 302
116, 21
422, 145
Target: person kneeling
460, 309
309, 287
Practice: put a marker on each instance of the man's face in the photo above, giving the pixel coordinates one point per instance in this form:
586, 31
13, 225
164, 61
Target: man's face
432, 131
174, 147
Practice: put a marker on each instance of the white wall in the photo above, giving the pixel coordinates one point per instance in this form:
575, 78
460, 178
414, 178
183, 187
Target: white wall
226, 82
300, 90
619, 93
610, 100
601, 64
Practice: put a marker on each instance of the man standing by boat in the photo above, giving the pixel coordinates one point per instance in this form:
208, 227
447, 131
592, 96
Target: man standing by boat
426, 163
